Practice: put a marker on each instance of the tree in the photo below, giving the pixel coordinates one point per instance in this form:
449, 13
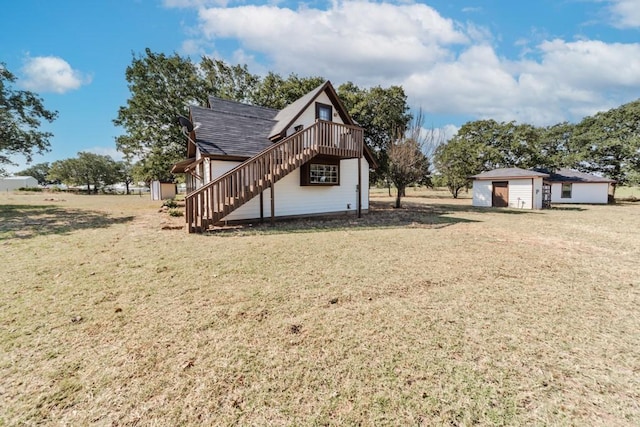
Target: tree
229, 82
38, 171
161, 86
456, 160
557, 148
125, 170
381, 112
21, 114
277, 92
87, 169
407, 162
609, 143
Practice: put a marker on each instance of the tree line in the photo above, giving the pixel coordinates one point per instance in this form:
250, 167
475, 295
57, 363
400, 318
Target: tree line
607, 143
163, 86
93, 171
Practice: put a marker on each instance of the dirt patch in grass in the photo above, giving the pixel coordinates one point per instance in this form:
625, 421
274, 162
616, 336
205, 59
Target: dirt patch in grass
435, 314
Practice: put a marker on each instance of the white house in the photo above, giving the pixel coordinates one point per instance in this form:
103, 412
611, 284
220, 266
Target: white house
570, 186
11, 183
509, 187
246, 162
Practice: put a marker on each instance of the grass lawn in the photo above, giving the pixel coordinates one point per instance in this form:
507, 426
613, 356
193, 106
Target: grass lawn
435, 314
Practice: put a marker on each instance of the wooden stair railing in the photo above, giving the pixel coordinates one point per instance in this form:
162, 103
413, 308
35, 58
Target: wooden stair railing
215, 200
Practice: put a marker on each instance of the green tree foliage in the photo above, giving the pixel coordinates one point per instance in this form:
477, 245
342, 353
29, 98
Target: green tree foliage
21, 114
557, 147
89, 169
381, 112
161, 86
38, 171
125, 172
225, 81
277, 92
456, 160
609, 143
504, 145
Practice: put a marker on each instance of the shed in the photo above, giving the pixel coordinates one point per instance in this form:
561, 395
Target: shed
570, 186
508, 187
162, 190
11, 183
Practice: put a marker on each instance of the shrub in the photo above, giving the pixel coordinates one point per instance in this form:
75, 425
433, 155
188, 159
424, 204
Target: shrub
171, 203
36, 189
176, 212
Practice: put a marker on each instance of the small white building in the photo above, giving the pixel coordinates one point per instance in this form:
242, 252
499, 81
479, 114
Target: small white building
11, 183
509, 187
570, 186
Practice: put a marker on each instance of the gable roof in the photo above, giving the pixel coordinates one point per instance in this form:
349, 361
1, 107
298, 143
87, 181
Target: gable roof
232, 129
506, 173
288, 115
573, 176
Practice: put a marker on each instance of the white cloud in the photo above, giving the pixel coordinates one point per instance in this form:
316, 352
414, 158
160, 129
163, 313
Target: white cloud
571, 80
444, 66
51, 74
625, 13
335, 41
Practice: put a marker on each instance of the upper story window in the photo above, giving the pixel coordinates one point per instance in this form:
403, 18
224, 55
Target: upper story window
324, 111
566, 191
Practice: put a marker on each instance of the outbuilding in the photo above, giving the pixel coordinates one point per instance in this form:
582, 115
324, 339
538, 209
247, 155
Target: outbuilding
570, 186
11, 183
509, 187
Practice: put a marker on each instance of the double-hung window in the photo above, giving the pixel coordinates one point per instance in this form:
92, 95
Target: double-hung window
566, 191
324, 112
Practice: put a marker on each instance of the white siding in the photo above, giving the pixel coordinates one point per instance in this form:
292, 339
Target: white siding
221, 167
537, 193
520, 193
595, 192
308, 116
15, 182
482, 191
293, 199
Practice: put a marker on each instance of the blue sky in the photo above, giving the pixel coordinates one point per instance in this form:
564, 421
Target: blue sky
534, 61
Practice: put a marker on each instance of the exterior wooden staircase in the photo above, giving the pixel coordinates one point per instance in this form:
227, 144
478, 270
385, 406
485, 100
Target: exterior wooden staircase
209, 204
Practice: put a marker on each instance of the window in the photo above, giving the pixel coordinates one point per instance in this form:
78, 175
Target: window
323, 174
321, 171
324, 111
566, 191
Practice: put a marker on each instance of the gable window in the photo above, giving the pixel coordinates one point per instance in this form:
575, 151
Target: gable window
320, 171
324, 111
566, 191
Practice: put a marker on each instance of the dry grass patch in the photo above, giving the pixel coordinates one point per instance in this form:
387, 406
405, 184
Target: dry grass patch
435, 314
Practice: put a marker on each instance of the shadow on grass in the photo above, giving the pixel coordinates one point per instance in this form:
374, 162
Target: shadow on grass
28, 221
567, 208
382, 215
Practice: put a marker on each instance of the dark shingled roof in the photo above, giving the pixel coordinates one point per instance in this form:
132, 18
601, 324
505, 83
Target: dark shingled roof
234, 107
569, 175
230, 128
505, 173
